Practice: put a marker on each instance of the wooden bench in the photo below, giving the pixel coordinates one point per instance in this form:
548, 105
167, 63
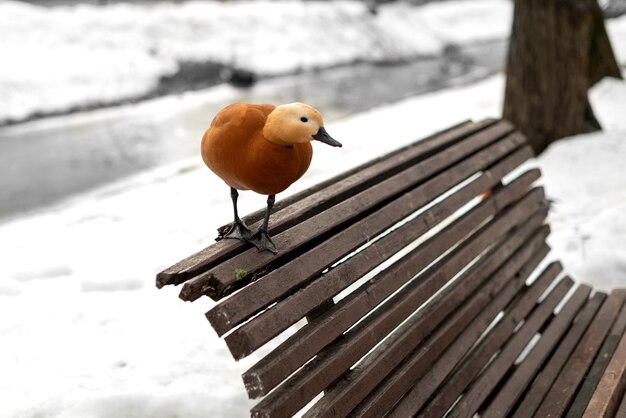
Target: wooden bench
423, 280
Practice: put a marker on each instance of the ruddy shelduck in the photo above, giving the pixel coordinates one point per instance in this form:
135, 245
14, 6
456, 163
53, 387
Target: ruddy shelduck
263, 148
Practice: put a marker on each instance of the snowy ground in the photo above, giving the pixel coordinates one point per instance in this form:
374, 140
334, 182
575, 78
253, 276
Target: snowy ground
54, 59
86, 334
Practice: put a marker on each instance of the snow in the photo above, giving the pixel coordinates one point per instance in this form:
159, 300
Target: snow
616, 29
586, 177
84, 332
53, 59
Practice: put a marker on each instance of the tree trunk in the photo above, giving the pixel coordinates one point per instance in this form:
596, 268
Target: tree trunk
558, 49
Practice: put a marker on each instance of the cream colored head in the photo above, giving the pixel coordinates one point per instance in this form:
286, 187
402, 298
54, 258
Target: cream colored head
295, 123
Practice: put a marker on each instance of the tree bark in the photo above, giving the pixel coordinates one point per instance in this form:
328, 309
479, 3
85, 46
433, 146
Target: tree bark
558, 50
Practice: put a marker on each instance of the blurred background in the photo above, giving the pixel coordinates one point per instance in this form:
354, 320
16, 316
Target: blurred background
102, 108
191, 59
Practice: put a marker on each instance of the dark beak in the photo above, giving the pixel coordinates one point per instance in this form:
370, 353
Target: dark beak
323, 136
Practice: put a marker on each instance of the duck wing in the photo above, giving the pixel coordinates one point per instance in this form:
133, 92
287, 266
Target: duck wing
229, 138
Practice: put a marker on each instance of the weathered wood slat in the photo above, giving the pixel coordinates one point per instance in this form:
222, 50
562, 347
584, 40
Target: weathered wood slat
224, 279
510, 276
424, 388
610, 390
559, 398
319, 310
298, 390
511, 391
376, 169
285, 359
285, 313
271, 287
597, 369
309, 340
481, 388
541, 384
314, 200
621, 411
268, 324
479, 357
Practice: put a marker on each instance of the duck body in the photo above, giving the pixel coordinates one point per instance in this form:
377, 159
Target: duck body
263, 148
234, 148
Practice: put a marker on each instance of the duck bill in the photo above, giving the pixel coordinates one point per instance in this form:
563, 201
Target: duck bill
323, 136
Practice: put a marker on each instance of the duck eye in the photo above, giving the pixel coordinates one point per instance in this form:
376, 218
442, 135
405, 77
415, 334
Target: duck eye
303, 119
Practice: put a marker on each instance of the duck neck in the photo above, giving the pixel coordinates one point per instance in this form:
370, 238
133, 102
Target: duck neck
274, 132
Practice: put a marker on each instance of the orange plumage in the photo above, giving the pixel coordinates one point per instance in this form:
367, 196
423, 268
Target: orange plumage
234, 148
264, 148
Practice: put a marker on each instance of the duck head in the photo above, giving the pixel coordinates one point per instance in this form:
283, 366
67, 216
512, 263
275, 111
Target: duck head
296, 123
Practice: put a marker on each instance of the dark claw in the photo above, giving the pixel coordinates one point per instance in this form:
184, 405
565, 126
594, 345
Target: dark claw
262, 241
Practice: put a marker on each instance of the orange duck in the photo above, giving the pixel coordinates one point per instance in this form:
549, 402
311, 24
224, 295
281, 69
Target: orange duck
263, 148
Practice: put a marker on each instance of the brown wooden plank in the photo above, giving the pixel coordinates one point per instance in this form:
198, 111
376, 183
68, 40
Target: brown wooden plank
424, 388
610, 389
559, 398
510, 392
296, 350
308, 341
269, 288
597, 369
414, 366
319, 310
427, 320
488, 380
394, 160
478, 358
305, 384
310, 202
544, 380
621, 411
224, 278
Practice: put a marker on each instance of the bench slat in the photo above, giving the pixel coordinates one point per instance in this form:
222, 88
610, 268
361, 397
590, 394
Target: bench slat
621, 412
426, 386
541, 384
285, 313
480, 356
271, 287
481, 388
610, 390
285, 359
470, 156
558, 399
362, 176
305, 343
320, 197
597, 369
513, 389
393, 388
324, 369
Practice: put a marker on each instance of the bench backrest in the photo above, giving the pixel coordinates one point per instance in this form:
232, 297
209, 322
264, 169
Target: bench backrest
389, 263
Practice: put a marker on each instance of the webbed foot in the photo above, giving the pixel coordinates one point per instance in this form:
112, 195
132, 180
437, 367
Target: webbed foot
238, 230
262, 241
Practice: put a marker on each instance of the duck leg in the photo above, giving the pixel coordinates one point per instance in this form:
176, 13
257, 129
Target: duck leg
238, 229
261, 238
